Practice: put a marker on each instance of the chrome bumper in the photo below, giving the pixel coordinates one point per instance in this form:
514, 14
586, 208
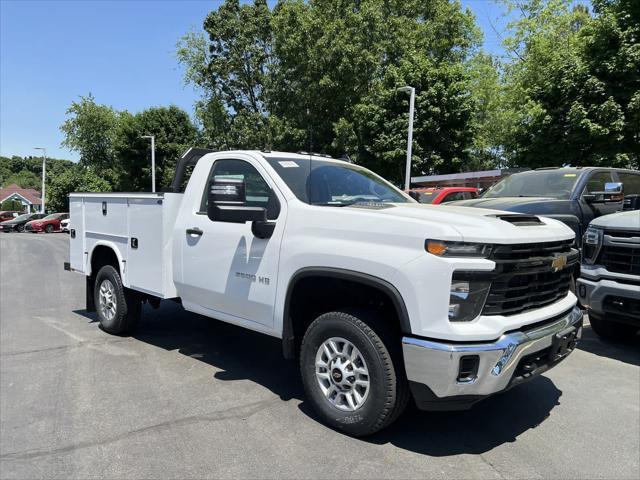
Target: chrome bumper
436, 365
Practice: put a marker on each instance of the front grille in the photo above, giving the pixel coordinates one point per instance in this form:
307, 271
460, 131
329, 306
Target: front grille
525, 277
621, 258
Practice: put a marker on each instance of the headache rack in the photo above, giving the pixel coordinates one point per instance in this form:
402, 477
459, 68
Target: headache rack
529, 276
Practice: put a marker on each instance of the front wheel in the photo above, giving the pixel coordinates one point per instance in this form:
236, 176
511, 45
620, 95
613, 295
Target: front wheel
118, 307
351, 368
20, 228
48, 228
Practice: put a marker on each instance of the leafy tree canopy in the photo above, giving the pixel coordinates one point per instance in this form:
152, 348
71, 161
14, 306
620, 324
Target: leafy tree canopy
110, 142
573, 87
323, 75
75, 179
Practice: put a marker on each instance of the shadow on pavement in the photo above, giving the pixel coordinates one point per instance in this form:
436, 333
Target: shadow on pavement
241, 354
628, 352
93, 316
492, 422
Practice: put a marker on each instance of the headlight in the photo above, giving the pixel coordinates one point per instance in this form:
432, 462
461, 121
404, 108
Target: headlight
457, 249
591, 244
466, 298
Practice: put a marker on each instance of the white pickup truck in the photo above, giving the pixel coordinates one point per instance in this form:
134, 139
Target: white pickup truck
379, 298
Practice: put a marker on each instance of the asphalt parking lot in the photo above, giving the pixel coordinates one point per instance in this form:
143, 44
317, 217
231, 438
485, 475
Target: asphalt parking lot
190, 397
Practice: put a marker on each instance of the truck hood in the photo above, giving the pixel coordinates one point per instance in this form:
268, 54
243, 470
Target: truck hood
619, 221
512, 204
480, 225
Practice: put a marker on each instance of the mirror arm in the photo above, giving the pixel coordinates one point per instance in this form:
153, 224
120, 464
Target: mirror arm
263, 229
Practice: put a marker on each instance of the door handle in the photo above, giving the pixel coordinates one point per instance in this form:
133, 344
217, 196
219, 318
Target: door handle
194, 231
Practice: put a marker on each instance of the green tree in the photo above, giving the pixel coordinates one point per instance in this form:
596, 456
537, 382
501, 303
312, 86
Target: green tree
25, 179
573, 85
174, 133
91, 130
75, 179
110, 145
489, 117
322, 75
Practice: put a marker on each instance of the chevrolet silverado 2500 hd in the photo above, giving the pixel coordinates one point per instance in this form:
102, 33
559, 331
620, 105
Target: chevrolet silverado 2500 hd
609, 283
379, 298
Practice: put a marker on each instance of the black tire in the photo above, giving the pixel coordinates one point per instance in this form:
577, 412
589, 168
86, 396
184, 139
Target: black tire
618, 332
20, 228
380, 347
128, 305
48, 228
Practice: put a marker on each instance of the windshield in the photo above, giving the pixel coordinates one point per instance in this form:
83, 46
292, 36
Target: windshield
26, 216
426, 197
544, 183
331, 183
53, 216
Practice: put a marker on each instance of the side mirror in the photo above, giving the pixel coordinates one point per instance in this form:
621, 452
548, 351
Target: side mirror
613, 192
613, 188
227, 203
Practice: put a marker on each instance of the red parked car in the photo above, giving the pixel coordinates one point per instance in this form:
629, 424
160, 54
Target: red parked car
8, 215
443, 194
47, 224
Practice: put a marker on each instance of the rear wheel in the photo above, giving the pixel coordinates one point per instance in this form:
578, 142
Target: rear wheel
611, 330
48, 228
118, 307
352, 372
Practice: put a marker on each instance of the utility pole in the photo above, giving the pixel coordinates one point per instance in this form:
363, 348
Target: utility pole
44, 173
412, 96
153, 161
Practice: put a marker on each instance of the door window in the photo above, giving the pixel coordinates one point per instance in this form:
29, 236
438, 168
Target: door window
453, 196
597, 181
257, 191
630, 182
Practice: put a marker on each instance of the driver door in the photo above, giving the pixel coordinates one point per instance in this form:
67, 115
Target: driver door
226, 270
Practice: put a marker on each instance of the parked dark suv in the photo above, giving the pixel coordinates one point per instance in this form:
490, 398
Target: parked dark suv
573, 195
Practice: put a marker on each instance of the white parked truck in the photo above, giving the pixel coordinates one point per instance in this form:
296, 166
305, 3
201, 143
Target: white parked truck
379, 298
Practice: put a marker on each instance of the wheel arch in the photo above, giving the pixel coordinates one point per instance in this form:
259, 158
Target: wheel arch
291, 336
105, 253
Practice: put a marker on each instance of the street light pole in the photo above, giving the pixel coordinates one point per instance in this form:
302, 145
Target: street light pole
153, 161
44, 173
412, 96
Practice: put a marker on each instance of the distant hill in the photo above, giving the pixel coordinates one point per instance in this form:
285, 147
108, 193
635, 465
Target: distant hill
27, 171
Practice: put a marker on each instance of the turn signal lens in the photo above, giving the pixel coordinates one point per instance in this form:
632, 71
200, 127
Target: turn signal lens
457, 249
436, 248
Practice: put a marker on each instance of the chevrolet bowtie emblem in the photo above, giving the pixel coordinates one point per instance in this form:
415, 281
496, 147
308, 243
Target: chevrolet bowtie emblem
559, 263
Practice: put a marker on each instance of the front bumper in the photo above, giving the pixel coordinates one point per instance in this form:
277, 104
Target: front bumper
434, 368
594, 295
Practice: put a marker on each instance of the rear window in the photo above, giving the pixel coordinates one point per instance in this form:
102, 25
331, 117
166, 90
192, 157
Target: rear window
426, 197
631, 183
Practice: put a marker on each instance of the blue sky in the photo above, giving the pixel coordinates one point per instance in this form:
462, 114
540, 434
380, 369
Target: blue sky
123, 52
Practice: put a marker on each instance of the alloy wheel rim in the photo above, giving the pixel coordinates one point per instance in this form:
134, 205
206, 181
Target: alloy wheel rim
342, 374
107, 299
